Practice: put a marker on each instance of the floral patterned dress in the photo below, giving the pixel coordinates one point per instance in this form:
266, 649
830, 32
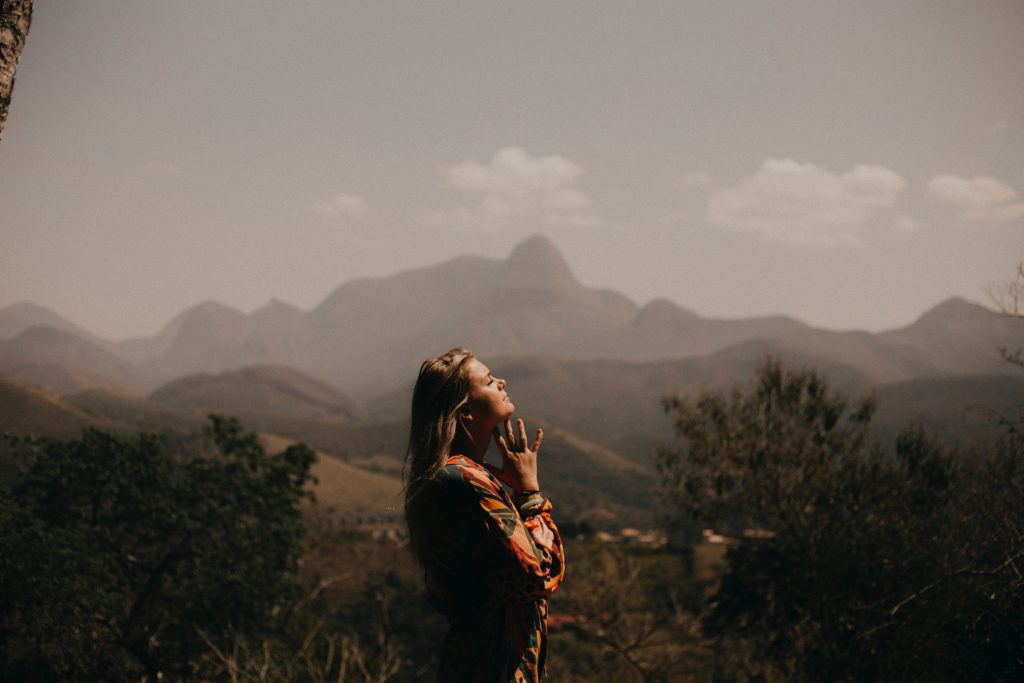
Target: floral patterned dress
489, 567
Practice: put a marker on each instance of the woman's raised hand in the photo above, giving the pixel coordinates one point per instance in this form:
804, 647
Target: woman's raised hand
518, 461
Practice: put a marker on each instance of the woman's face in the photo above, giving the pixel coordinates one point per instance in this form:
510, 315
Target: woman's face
488, 403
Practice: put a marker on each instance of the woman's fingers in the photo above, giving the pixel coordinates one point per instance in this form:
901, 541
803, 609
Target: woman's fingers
517, 443
508, 443
518, 460
537, 440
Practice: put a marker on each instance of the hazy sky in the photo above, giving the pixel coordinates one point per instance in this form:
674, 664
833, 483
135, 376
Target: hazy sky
848, 163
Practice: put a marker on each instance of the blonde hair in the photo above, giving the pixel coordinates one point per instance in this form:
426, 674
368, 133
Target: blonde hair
441, 392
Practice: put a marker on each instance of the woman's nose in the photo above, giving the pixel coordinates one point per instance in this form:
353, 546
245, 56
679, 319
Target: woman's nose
502, 383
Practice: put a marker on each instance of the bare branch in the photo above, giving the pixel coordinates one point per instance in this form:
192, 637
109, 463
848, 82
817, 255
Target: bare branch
1008, 562
1008, 297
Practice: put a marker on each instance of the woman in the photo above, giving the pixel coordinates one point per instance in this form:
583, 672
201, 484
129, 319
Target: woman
489, 558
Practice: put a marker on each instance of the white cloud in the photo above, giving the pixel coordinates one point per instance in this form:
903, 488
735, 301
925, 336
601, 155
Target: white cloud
341, 206
515, 188
513, 171
981, 199
787, 201
696, 179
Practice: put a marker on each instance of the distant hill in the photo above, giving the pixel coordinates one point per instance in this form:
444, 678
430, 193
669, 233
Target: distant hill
269, 389
663, 330
957, 337
29, 411
17, 318
212, 337
62, 361
135, 413
967, 408
344, 488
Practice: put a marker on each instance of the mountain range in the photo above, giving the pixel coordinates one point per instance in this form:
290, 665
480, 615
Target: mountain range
589, 364
367, 336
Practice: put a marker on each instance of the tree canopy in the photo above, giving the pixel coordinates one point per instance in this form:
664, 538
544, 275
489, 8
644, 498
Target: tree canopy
848, 561
120, 560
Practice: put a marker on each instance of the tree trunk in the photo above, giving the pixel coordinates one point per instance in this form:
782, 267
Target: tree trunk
15, 17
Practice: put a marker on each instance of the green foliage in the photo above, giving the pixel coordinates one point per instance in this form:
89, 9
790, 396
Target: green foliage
848, 563
121, 561
755, 459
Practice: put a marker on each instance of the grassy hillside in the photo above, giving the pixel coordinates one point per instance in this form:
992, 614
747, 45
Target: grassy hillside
133, 412
344, 488
273, 389
64, 362
28, 411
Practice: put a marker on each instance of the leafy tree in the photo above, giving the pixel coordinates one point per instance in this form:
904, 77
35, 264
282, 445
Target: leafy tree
119, 560
849, 563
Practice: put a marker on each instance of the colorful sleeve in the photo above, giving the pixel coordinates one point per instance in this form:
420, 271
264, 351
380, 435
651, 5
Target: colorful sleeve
522, 557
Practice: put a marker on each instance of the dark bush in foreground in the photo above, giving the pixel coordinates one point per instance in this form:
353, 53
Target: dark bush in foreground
850, 564
119, 561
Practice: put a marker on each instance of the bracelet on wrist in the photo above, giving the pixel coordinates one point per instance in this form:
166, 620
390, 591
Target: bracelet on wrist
531, 505
525, 493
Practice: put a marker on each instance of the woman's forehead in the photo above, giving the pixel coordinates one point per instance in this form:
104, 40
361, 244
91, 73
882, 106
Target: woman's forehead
476, 369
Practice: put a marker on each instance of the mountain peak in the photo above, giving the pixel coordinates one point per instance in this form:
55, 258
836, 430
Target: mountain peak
276, 307
954, 308
536, 247
18, 317
661, 313
537, 257
213, 308
210, 321
26, 308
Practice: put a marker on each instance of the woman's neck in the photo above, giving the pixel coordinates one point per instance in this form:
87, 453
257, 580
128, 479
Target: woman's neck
472, 443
